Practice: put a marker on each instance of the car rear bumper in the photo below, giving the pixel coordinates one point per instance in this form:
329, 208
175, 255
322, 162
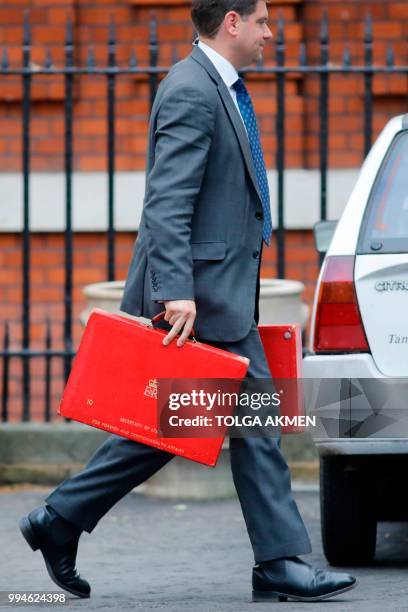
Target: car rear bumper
362, 446
358, 365
355, 416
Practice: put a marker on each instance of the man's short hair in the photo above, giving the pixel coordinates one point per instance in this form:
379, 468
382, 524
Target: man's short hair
207, 15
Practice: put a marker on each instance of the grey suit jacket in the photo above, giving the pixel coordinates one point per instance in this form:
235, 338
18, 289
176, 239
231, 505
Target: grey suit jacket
200, 234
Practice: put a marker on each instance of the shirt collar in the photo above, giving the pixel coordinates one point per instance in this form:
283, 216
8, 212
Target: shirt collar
225, 69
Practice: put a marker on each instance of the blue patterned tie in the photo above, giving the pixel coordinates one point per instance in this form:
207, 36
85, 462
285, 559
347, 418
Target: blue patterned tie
248, 115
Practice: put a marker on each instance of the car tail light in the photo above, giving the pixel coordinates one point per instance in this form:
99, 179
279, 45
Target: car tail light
338, 326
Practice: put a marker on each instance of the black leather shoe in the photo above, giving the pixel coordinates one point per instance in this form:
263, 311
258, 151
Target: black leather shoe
57, 539
292, 578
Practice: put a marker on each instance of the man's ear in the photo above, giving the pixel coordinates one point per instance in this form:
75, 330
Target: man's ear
231, 22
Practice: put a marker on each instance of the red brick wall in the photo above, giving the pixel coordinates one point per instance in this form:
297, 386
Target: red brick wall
47, 287
90, 22
347, 23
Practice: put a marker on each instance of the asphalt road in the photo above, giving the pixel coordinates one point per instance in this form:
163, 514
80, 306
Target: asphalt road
187, 556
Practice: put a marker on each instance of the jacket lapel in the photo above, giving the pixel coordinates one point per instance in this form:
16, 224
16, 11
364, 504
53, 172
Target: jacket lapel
199, 56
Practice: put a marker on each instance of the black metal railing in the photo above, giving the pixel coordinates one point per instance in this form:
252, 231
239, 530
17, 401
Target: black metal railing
324, 69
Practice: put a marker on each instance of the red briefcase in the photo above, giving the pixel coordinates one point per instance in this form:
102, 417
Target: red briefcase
113, 381
283, 349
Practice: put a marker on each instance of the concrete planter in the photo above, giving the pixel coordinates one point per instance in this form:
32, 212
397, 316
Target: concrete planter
280, 303
107, 296
280, 300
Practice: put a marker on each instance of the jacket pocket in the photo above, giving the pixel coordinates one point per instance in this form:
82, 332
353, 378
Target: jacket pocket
208, 250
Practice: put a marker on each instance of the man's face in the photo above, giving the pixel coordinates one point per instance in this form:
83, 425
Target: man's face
253, 32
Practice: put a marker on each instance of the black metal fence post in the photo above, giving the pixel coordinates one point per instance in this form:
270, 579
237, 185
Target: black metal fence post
368, 84
47, 374
280, 144
6, 374
153, 57
323, 113
68, 111
111, 150
26, 237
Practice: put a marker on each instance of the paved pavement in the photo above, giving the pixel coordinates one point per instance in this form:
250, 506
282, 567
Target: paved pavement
187, 556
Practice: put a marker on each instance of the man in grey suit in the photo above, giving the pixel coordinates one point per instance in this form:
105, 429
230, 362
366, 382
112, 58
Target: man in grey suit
206, 215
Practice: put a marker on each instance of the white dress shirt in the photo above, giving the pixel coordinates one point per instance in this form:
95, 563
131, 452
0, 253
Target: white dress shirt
226, 70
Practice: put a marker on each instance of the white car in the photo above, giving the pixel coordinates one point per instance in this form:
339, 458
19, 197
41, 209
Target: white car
359, 353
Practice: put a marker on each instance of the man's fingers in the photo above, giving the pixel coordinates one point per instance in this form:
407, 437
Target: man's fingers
179, 314
173, 318
174, 331
188, 326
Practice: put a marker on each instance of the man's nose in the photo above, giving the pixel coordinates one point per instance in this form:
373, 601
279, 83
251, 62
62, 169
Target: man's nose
268, 34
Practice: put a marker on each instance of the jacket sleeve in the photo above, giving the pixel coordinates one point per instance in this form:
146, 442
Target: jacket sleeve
183, 135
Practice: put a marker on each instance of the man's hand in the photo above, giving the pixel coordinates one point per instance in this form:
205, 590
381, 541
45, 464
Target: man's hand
180, 314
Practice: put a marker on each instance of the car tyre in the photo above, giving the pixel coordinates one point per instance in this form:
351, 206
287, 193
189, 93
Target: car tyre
348, 519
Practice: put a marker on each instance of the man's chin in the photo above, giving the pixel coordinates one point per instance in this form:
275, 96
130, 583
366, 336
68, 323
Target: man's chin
255, 59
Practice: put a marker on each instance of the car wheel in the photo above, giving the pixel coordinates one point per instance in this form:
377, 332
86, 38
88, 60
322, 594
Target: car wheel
348, 516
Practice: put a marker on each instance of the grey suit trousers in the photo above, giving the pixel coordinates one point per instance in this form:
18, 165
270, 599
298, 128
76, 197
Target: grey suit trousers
260, 473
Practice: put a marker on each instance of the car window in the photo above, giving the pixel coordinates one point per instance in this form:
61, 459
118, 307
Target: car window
385, 224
